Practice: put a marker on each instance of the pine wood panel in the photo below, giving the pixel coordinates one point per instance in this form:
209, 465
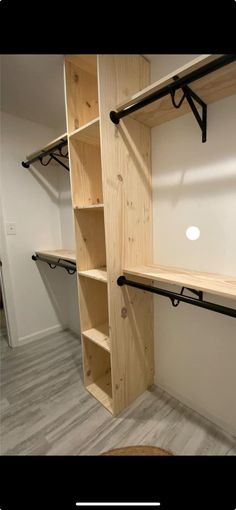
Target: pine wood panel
96, 274
100, 336
128, 223
86, 174
81, 93
93, 303
208, 282
211, 88
102, 391
88, 133
97, 372
90, 239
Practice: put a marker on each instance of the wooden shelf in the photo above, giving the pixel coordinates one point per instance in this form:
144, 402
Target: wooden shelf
210, 88
99, 274
58, 254
48, 146
89, 207
89, 133
208, 282
102, 390
100, 336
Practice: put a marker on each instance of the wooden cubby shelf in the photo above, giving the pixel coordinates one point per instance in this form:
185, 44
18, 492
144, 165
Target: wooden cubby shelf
101, 389
81, 90
86, 177
212, 87
89, 133
99, 274
97, 372
208, 282
100, 336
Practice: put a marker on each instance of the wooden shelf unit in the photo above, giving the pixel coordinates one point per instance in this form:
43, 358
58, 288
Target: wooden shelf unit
100, 336
221, 285
111, 195
112, 202
210, 88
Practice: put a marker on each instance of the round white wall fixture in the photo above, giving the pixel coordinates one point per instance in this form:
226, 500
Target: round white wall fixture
193, 233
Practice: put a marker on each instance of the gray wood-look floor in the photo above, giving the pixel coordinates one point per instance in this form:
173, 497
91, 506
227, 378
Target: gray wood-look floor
45, 409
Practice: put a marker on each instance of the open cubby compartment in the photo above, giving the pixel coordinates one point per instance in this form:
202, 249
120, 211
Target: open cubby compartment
97, 372
93, 303
86, 174
81, 90
90, 239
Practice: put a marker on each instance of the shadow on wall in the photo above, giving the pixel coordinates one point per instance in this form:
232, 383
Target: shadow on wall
55, 281
48, 178
188, 168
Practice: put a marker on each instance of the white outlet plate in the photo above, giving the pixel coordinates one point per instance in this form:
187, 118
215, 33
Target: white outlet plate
11, 229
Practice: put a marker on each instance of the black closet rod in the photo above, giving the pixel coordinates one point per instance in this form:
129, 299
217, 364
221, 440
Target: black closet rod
68, 265
172, 87
49, 152
175, 297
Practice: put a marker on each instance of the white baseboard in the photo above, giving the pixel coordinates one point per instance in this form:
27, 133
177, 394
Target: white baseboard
226, 427
40, 334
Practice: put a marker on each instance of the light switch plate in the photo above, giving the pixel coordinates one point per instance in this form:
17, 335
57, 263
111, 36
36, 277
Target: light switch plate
11, 229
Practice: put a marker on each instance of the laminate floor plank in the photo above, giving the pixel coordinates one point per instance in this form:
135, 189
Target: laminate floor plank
45, 409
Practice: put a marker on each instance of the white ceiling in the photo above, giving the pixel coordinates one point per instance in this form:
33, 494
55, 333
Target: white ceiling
32, 87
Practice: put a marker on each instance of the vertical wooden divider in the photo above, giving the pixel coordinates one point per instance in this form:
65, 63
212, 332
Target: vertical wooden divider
127, 192
116, 323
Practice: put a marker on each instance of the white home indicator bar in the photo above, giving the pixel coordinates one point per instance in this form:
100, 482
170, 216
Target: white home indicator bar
119, 504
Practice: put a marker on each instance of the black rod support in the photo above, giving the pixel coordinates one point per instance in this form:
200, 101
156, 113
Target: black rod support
49, 152
70, 266
122, 280
172, 87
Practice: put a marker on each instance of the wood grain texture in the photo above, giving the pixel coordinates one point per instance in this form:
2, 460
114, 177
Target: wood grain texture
126, 175
97, 372
90, 239
100, 336
211, 88
96, 274
46, 410
58, 254
93, 303
208, 282
88, 133
81, 92
86, 174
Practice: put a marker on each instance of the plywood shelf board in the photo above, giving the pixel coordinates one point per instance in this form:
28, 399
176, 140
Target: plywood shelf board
102, 391
58, 254
50, 145
96, 274
89, 207
99, 335
210, 88
89, 133
208, 282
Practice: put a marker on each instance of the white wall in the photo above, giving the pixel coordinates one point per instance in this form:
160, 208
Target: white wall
195, 184
68, 241
32, 199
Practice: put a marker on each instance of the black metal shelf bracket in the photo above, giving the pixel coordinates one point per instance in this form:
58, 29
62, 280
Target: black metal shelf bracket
179, 83
190, 96
66, 264
53, 153
177, 297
